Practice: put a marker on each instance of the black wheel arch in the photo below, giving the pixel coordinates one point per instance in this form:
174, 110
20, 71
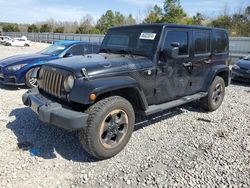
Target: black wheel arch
125, 87
132, 94
220, 70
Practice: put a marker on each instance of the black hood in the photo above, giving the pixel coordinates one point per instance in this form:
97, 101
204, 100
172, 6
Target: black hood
244, 64
29, 58
101, 64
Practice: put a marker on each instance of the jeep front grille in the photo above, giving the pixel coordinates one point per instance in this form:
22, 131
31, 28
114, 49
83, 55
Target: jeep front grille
51, 82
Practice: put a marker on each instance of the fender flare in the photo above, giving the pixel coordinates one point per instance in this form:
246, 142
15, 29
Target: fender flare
214, 71
103, 86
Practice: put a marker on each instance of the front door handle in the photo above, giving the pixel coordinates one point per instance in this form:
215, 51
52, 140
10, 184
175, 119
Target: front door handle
188, 64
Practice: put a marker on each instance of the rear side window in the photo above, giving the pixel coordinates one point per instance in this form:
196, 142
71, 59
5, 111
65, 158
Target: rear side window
95, 48
220, 42
91, 48
201, 42
177, 36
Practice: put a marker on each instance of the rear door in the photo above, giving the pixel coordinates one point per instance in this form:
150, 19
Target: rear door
200, 58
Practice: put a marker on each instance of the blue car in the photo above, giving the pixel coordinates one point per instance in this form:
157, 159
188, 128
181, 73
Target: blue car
241, 70
22, 69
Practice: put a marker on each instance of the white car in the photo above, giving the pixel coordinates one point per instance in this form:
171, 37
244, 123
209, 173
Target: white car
4, 39
18, 42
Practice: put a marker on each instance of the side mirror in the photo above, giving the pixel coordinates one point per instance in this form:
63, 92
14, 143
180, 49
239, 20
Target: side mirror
172, 53
68, 55
241, 57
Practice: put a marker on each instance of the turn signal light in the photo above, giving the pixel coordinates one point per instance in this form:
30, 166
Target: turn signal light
93, 97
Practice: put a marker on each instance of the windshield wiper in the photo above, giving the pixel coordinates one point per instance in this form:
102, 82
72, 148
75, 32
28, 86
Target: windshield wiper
106, 50
128, 52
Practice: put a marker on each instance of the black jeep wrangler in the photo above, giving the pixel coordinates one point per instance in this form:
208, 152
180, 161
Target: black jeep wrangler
141, 69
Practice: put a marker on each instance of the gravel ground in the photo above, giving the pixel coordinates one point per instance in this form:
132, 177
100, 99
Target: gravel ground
183, 147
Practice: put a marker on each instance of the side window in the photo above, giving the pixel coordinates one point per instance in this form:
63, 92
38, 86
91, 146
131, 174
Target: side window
87, 49
96, 48
118, 41
201, 41
76, 50
177, 36
220, 42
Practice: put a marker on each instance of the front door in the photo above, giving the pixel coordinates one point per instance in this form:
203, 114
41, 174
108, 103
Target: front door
173, 75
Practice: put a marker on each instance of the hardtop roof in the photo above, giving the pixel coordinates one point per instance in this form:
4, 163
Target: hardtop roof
171, 26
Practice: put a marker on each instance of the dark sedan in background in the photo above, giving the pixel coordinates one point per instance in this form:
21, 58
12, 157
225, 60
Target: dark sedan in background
241, 70
22, 69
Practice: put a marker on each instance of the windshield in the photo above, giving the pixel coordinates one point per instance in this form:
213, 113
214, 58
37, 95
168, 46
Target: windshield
141, 40
247, 58
53, 50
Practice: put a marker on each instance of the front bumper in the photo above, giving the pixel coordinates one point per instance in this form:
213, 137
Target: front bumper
240, 75
9, 80
54, 113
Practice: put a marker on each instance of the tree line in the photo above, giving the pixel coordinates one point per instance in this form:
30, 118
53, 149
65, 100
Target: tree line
171, 11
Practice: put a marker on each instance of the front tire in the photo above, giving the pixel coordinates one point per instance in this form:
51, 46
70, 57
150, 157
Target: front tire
215, 95
30, 80
110, 126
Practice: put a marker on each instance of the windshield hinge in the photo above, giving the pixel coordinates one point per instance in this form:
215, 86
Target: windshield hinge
85, 74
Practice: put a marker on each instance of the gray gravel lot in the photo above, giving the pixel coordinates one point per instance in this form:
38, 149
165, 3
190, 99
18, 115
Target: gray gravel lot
182, 147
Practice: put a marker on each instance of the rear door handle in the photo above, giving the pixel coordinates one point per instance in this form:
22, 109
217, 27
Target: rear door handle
188, 64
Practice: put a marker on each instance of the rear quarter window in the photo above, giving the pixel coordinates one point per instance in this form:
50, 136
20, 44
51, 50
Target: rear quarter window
201, 41
220, 43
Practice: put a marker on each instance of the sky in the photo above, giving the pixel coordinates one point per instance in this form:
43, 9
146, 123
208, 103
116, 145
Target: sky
32, 11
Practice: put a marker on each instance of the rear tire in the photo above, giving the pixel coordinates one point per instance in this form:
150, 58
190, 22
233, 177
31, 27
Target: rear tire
110, 126
215, 95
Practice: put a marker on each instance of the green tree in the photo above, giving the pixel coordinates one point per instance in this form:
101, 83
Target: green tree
173, 11
86, 25
155, 15
11, 28
111, 19
45, 28
222, 22
106, 21
119, 19
94, 31
129, 20
33, 29
81, 30
198, 19
59, 30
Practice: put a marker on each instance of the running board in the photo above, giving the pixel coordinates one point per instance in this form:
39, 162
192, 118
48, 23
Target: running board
165, 106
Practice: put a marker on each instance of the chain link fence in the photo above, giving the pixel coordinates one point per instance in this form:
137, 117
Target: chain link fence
51, 37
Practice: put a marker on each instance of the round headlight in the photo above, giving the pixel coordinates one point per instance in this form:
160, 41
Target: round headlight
69, 83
